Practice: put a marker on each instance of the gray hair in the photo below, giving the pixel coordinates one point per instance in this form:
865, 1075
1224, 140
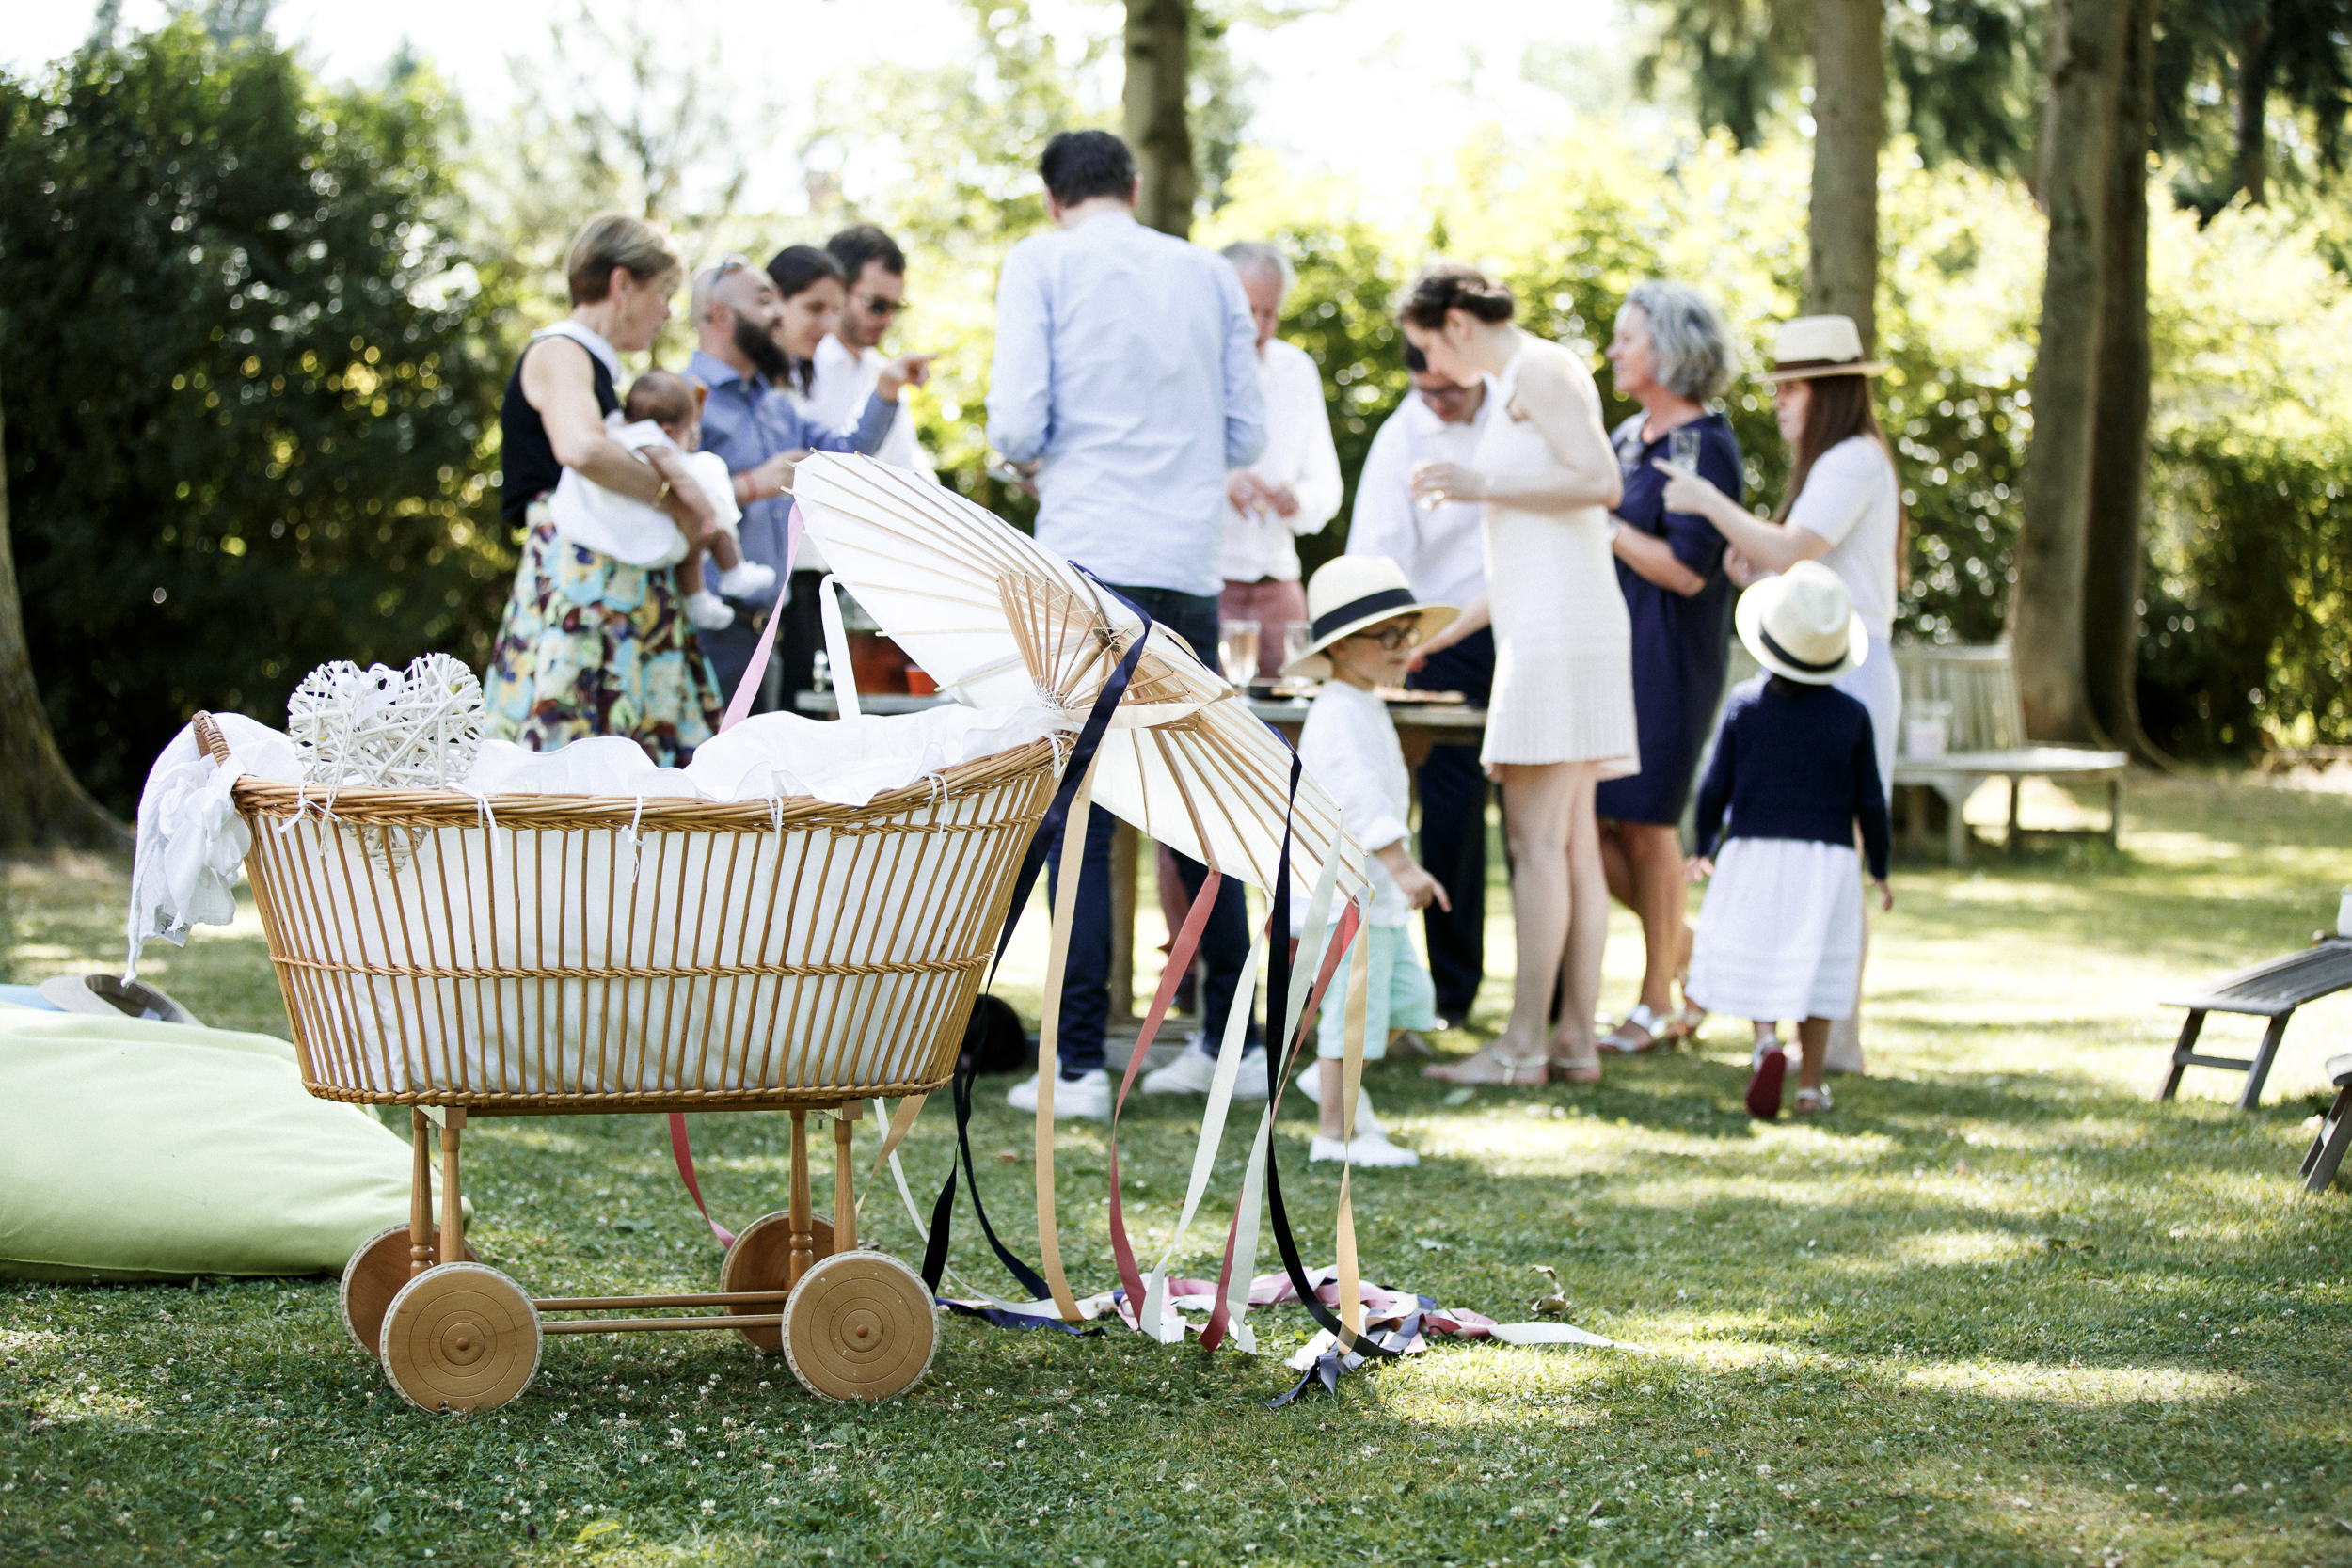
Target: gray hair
1256, 255
1695, 356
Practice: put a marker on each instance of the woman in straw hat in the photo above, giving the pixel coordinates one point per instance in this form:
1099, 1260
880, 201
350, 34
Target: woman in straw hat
1844, 509
1796, 764
1560, 719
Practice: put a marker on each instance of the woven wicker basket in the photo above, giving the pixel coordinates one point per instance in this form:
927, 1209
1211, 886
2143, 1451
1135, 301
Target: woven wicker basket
554, 955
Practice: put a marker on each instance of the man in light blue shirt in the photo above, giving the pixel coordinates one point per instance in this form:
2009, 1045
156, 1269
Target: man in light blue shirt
1125, 385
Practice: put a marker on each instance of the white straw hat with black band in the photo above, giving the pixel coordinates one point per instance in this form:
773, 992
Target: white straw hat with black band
1803, 625
1811, 347
1354, 592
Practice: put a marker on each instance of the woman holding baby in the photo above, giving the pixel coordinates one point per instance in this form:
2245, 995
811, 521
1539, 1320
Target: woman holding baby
591, 644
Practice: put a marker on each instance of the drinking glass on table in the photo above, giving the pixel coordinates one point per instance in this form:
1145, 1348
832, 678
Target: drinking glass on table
1296, 637
1237, 650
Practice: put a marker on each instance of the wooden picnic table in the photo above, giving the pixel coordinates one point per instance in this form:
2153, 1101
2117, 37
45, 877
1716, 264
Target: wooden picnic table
1419, 726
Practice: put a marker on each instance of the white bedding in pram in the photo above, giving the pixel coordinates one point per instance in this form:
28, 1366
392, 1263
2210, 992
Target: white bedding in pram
509, 959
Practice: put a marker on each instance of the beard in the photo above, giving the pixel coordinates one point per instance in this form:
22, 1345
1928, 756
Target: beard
767, 357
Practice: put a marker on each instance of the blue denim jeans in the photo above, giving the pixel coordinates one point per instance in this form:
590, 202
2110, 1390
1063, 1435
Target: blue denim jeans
1224, 943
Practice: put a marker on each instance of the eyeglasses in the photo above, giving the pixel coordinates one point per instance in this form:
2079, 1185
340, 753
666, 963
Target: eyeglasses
1391, 638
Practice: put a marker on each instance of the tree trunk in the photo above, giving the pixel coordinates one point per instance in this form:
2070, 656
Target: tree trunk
2253, 94
1159, 75
2119, 454
41, 804
2046, 603
1849, 128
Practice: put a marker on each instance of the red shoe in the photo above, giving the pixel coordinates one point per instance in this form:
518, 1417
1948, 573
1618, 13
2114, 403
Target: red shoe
1772, 1071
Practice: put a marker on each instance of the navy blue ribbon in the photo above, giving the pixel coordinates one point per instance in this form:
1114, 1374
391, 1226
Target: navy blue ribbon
1091, 734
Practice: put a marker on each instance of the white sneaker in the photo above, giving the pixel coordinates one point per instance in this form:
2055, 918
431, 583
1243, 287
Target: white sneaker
1086, 1099
707, 612
1370, 1148
747, 579
1194, 1068
1311, 1085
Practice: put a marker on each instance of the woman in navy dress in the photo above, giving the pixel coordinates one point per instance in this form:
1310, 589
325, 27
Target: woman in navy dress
1671, 354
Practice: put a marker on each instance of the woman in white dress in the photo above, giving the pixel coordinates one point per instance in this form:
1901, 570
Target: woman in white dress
1844, 510
1560, 719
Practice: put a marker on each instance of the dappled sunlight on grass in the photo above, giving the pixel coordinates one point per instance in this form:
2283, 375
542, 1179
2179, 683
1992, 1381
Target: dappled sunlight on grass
1996, 1308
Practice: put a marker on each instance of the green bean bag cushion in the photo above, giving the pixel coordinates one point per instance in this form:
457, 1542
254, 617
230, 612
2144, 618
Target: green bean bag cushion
138, 1150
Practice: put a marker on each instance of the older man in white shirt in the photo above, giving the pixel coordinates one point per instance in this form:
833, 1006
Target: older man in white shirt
1443, 553
1126, 382
850, 361
1293, 489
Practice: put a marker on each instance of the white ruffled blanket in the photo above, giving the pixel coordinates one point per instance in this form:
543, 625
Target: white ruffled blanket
191, 841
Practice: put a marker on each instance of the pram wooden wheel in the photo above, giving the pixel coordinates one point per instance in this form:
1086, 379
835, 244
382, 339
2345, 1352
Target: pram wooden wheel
860, 1325
761, 1260
371, 1281
461, 1336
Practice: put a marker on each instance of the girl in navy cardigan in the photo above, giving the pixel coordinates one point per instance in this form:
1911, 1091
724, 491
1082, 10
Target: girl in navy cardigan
1796, 769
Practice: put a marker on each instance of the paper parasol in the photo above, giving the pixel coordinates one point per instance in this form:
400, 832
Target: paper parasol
980, 605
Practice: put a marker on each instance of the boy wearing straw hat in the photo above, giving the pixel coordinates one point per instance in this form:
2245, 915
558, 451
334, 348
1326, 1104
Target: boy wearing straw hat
1365, 624
1796, 766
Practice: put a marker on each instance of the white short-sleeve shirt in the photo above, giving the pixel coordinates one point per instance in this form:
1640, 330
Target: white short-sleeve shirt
1854, 499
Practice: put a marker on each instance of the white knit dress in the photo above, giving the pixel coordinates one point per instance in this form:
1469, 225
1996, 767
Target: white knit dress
1563, 655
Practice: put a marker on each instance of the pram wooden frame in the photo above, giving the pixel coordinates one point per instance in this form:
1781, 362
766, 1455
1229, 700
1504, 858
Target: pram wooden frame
453, 1335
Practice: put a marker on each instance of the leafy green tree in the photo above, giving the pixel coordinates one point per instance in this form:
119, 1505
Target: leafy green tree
252, 382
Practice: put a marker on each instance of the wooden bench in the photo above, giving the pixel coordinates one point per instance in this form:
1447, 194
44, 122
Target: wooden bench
2271, 991
2335, 1131
1985, 739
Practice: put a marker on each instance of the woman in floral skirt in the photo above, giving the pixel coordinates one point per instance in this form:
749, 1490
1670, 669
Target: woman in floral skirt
591, 645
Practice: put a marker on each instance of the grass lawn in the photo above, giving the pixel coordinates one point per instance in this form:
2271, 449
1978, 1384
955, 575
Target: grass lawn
1999, 1309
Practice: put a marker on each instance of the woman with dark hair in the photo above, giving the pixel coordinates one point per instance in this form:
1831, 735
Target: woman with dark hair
1844, 509
591, 645
1671, 354
814, 290
1561, 718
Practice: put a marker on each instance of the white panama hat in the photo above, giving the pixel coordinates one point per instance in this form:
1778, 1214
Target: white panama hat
1354, 592
109, 996
1803, 625
1811, 347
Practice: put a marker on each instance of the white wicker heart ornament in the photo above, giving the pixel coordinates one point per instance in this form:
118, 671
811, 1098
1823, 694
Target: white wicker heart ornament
417, 729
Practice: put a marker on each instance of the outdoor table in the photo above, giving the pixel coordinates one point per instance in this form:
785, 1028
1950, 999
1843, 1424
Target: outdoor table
1419, 726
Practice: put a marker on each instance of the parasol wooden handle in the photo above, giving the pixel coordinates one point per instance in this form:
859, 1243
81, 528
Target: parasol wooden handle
208, 736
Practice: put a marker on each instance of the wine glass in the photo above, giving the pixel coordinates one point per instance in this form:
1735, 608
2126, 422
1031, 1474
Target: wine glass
1237, 650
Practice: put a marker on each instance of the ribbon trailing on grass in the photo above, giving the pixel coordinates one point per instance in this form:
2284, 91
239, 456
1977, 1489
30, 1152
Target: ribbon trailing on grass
1079, 773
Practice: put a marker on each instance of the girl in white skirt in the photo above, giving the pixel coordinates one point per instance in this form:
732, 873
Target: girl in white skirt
1796, 766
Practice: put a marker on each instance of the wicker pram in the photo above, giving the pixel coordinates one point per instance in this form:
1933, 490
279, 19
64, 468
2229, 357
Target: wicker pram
537, 956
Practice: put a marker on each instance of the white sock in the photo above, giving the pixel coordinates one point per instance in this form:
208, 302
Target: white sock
746, 579
707, 612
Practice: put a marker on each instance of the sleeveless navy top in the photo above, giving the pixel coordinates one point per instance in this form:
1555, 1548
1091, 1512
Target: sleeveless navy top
527, 456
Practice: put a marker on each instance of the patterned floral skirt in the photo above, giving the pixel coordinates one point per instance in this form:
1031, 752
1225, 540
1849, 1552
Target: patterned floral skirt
591, 645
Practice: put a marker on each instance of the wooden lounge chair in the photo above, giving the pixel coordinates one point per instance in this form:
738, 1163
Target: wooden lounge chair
2271, 991
2335, 1131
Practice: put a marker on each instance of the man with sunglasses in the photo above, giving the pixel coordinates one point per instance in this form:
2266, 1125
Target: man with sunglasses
1442, 550
851, 358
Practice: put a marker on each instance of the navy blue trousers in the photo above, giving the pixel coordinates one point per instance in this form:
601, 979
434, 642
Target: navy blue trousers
1086, 993
1454, 831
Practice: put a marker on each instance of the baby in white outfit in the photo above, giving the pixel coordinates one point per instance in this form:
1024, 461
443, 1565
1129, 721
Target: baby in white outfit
664, 409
